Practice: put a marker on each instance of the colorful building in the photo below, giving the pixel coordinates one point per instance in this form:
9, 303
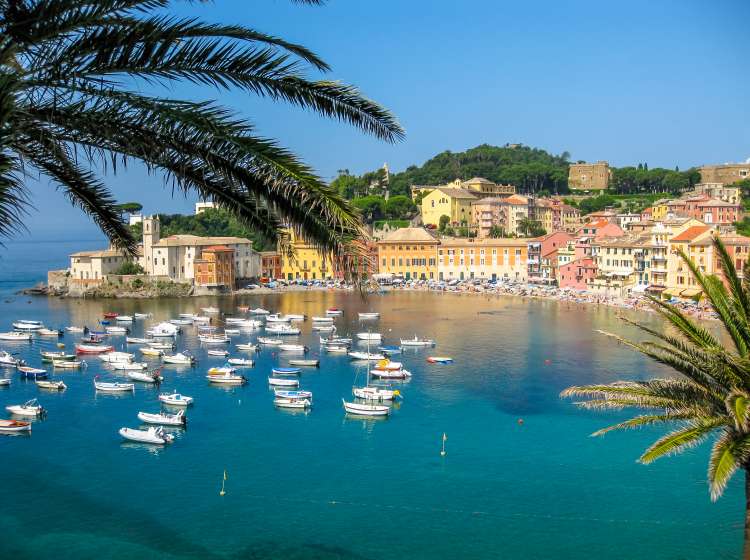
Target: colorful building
479, 186
89, 268
270, 265
410, 253
541, 252
302, 261
577, 274
451, 202
215, 267
485, 259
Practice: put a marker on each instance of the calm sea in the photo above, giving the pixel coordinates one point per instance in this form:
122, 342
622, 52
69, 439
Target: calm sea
321, 485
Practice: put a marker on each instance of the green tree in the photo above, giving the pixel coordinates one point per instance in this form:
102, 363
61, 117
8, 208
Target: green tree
130, 267
130, 207
371, 207
497, 232
443, 223
400, 207
72, 102
711, 397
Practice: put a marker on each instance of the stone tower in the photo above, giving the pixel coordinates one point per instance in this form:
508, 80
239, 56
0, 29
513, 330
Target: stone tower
151, 236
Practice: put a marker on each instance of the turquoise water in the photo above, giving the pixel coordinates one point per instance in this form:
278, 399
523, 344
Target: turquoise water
320, 485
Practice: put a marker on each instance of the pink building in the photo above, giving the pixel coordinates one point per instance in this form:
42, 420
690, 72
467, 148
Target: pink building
599, 229
542, 255
647, 214
577, 274
714, 211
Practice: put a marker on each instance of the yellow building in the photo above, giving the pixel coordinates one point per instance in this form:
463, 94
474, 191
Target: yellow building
485, 259
451, 202
680, 280
410, 253
305, 261
659, 210
478, 185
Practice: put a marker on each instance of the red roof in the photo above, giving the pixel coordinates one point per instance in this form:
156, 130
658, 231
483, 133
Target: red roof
218, 248
691, 233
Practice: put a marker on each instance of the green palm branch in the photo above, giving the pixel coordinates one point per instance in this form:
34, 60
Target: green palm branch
71, 103
710, 397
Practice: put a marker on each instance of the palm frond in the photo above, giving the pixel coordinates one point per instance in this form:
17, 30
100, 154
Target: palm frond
727, 455
682, 439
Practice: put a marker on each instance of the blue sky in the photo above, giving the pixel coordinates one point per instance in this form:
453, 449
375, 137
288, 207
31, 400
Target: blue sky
664, 82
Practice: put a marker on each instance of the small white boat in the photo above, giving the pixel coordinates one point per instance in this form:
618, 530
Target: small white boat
190, 316
440, 360
214, 339
164, 419
29, 408
286, 371
93, 349
260, 311
295, 317
334, 311
230, 332
124, 318
151, 351
416, 341
141, 315
210, 310
4, 382
360, 409
156, 436
181, 322
389, 365
285, 394
48, 356
270, 341
391, 373
281, 382
201, 319
322, 319
28, 325
337, 340
67, 364
375, 393
56, 385
14, 426
276, 318
369, 315
49, 332
163, 330
221, 370
248, 347
114, 387
292, 403
227, 379
179, 358
136, 340
336, 349
366, 356
16, 336
293, 348
282, 329
116, 330
162, 345
113, 357
175, 399
7, 360
73, 329
143, 377
249, 324
323, 327
305, 363
241, 362
220, 353
370, 336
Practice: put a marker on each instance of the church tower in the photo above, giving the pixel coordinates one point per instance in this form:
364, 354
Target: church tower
151, 236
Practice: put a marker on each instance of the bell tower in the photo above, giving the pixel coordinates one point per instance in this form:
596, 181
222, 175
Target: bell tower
151, 236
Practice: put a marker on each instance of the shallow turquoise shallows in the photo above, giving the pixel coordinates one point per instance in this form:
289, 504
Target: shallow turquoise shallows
321, 485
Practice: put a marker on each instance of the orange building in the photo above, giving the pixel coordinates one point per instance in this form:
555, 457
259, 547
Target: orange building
215, 268
364, 263
410, 253
270, 265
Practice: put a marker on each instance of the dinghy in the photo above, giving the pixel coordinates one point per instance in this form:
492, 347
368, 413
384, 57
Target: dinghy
164, 419
221, 370
369, 315
55, 385
282, 329
14, 426
156, 436
439, 360
389, 350
260, 311
214, 339
32, 373
292, 403
231, 332
179, 358
248, 347
270, 341
28, 325
150, 377
4, 382
124, 318
175, 399
73, 329
150, 351
227, 379
366, 356
116, 357
286, 371
15, 336
91, 349
29, 408
336, 349
276, 318
183, 322
52, 356
136, 340
369, 336
334, 311
280, 382
50, 332
67, 364
391, 373
113, 387
241, 362
323, 327
116, 330
285, 394
141, 315
162, 345
7, 360
306, 363
322, 319
293, 348
219, 353
416, 341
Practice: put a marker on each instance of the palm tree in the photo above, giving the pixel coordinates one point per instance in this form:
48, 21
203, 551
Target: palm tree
71, 102
711, 397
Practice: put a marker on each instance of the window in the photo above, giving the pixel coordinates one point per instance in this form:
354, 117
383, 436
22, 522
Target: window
384, 261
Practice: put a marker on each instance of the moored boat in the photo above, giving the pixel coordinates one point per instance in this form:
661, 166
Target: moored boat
50, 332
417, 341
129, 366
210, 310
4, 382
162, 345
227, 379
156, 436
295, 394
322, 319
369, 315
439, 360
15, 336
32, 373
163, 419
68, 364
8, 360
14, 426
55, 385
260, 311
366, 409
214, 339
124, 318
48, 356
218, 353
247, 347
175, 399
369, 336
137, 340
240, 362
391, 373
146, 377
114, 387
292, 403
150, 351
73, 329
282, 329
270, 341
281, 382
179, 358
276, 318
112, 357
286, 371
293, 348
371, 393
116, 330
306, 363
163, 330
334, 311
25, 325
29, 408
356, 355
93, 349
336, 348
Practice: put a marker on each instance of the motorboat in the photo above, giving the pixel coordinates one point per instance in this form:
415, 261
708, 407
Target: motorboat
210, 310
417, 341
369, 315
294, 317
366, 409
29, 408
281, 382
369, 336
286, 371
370, 393
156, 436
93, 338
50, 332
112, 357
181, 322
163, 330
16, 336
282, 329
241, 362
248, 347
248, 324
179, 358
48, 356
93, 349
231, 332
292, 403
286, 394
150, 351
276, 318
32, 373
162, 345
73, 329
270, 341
221, 370
389, 350
146, 377
136, 340
220, 353
259, 311
164, 419
336, 348
8, 360
390, 373
439, 360
124, 318
335, 340
387, 364
227, 379
323, 327
28, 325
4, 382
355, 355
175, 399
68, 364
116, 387
305, 363
116, 330
141, 315
110, 315
14, 426
201, 319
334, 311
55, 385
293, 348
190, 316
214, 339
322, 319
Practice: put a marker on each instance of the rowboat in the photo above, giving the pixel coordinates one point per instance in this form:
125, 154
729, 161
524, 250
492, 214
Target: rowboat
227, 379
161, 345
114, 387
248, 347
334, 311
136, 340
32, 373
59, 356
178, 419
336, 349
110, 315
181, 321
214, 338
73, 329
390, 373
116, 330
241, 362
369, 315
14, 426
29, 408
93, 338
366, 356
156, 436
220, 370
92, 349
362, 409
220, 353
375, 393
293, 348
179, 358
260, 311
416, 341
113, 357
280, 382
439, 360
16, 336
50, 332
294, 317
124, 318
67, 364
284, 394
306, 363
56, 385
129, 366
292, 403
210, 310
149, 351
28, 325
388, 350
229, 332
143, 377
248, 324
369, 336
270, 341
322, 319
282, 329
201, 319
338, 340
7, 360
4, 382
175, 399
286, 371
276, 318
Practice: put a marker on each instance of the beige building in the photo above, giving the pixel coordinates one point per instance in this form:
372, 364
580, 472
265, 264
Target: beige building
478, 185
731, 195
485, 259
452, 202
589, 176
91, 267
410, 253
505, 213
725, 174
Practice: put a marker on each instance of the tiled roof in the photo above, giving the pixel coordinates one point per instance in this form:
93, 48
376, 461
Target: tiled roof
457, 193
409, 234
189, 240
691, 233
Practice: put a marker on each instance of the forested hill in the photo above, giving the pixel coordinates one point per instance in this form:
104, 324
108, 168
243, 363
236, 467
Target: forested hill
530, 169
